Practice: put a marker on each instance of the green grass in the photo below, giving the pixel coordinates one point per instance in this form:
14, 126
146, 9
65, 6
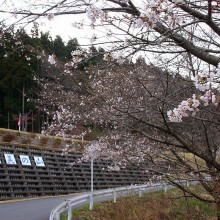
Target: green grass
76, 212
94, 134
193, 207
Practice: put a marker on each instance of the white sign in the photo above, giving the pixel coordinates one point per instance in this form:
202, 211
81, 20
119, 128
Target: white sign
25, 160
10, 158
39, 161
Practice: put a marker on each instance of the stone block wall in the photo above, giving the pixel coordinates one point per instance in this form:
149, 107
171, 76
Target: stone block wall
22, 177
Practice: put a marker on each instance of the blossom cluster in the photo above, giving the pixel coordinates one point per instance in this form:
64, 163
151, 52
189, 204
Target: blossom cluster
204, 80
203, 83
113, 146
92, 151
94, 13
78, 56
153, 11
52, 59
191, 105
114, 56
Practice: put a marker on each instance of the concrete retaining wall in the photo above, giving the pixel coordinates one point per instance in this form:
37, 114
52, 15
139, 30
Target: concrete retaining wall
32, 172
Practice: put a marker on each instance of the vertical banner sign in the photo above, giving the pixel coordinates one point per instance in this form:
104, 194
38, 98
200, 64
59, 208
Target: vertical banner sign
25, 160
19, 122
39, 161
10, 159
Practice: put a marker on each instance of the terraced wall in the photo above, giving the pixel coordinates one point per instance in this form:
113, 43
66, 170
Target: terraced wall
27, 171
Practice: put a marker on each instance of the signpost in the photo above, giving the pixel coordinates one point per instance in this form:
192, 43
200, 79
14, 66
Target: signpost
19, 122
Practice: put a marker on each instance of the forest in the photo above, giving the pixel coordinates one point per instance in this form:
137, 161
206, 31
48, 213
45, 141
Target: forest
20, 63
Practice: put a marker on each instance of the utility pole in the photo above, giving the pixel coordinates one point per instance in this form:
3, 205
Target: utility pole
8, 120
92, 172
22, 118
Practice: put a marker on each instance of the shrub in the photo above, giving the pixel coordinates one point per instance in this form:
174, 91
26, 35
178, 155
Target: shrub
68, 141
57, 143
18, 133
33, 135
26, 141
43, 141
2, 131
8, 137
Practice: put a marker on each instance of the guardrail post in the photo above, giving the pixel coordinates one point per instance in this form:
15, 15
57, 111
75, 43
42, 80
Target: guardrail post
69, 210
165, 187
187, 183
139, 192
57, 216
114, 192
91, 201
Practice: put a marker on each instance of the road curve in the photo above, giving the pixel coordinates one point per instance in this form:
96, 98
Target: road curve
31, 209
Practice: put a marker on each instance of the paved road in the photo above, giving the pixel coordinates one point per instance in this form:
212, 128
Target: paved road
37, 209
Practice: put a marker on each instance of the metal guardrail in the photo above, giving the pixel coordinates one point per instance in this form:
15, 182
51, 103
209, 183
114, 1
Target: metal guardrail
108, 194
104, 195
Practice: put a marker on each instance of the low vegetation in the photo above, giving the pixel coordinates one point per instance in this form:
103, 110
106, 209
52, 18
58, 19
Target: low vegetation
43, 141
8, 137
152, 206
21, 138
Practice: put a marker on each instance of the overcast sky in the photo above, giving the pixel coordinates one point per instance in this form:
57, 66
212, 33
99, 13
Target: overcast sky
60, 25
64, 26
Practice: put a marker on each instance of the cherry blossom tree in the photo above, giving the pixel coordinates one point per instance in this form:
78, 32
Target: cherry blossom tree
181, 36
163, 119
174, 27
130, 103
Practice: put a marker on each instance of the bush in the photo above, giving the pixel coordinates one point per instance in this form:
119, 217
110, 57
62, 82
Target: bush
18, 133
57, 143
26, 141
2, 131
8, 137
33, 135
43, 141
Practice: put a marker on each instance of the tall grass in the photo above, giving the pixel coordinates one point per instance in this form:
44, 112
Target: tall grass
152, 206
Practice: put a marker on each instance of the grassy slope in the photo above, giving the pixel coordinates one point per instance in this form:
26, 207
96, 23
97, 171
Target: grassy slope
23, 139
152, 206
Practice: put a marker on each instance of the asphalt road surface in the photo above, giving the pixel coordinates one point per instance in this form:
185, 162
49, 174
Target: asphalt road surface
40, 209
36, 209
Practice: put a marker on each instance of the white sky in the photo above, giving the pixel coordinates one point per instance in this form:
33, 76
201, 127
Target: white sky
63, 26
59, 25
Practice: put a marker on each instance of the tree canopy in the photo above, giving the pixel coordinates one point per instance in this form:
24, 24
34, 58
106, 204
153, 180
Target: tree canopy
21, 62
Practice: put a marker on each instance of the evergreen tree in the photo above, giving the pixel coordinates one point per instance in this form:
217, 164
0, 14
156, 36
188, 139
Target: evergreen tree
46, 42
59, 48
18, 64
72, 45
